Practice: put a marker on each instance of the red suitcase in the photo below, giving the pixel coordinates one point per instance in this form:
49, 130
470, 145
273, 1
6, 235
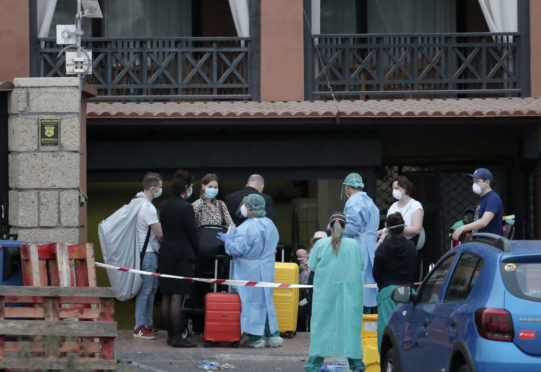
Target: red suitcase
222, 318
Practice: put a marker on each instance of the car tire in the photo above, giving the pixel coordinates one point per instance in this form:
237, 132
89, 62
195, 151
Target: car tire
391, 363
464, 368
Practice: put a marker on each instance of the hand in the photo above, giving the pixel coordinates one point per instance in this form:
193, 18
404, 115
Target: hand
457, 233
223, 237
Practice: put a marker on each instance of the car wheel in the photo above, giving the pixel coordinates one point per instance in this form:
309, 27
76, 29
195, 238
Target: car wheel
391, 362
464, 368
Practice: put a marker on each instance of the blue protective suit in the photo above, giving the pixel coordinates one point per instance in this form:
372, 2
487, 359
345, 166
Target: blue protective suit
253, 248
362, 222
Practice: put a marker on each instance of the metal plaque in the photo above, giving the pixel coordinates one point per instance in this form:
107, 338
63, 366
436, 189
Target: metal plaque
48, 132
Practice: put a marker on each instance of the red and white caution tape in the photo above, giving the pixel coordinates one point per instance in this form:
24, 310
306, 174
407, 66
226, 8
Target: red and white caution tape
243, 283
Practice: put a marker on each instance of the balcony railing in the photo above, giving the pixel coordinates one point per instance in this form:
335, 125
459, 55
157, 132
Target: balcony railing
415, 65
162, 68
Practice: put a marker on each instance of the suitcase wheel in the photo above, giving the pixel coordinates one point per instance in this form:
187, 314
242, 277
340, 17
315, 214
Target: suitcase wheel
290, 334
235, 344
207, 343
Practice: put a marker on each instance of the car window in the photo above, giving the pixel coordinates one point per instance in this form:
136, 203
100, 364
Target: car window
523, 279
431, 288
464, 277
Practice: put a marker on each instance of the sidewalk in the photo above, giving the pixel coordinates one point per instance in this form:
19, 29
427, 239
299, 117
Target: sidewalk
155, 355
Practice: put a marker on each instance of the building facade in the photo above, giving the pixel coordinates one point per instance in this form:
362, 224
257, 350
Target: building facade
304, 92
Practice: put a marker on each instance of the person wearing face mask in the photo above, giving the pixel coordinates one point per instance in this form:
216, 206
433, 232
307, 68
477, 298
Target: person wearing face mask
208, 209
253, 247
177, 255
410, 209
489, 213
149, 234
394, 265
362, 222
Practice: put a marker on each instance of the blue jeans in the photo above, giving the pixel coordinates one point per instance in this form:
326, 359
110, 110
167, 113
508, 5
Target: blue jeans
144, 302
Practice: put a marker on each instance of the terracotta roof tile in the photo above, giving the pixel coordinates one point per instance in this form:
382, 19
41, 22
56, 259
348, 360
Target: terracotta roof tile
475, 107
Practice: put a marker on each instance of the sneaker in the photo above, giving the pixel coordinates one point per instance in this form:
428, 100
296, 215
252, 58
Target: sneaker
257, 344
144, 333
153, 329
276, 341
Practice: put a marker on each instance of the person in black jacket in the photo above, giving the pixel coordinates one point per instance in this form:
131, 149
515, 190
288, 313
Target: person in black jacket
394, 265
254, 185
178, 253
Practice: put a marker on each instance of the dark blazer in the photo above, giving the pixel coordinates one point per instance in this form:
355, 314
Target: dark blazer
180, 238
234, 199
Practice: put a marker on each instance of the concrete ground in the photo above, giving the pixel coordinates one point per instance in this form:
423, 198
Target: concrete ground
135, 354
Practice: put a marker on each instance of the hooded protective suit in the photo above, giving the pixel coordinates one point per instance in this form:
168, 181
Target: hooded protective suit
362, 222
253, 248
337, 311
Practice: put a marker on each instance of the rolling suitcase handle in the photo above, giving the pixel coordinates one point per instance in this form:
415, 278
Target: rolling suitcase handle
223, 257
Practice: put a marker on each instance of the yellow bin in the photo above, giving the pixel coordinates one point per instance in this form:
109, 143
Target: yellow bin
286, 300
369, 334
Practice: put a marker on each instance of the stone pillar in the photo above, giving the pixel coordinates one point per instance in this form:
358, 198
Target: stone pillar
44, 180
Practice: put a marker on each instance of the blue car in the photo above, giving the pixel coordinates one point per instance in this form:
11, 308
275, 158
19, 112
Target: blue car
478, 310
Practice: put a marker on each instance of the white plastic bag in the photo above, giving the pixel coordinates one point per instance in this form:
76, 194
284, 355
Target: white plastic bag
118, 240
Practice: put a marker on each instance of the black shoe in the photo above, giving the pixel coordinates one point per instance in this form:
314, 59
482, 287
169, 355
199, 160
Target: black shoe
179, 342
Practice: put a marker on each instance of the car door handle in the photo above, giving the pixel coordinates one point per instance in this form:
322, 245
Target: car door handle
425, 322
453, 322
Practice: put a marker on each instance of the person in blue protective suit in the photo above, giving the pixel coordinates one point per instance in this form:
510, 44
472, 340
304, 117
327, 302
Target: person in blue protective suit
362, 222
337, 312
253, 247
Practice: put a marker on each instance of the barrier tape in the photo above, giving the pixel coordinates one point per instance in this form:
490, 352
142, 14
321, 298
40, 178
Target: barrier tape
231, 282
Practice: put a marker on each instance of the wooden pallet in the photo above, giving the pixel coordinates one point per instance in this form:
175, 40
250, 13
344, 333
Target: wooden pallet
57, 328
58, 264
59, 319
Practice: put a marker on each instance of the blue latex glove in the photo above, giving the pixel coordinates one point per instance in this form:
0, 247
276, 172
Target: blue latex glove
223, 237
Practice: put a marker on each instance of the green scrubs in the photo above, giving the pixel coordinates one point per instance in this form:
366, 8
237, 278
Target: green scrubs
337, 311
386, 306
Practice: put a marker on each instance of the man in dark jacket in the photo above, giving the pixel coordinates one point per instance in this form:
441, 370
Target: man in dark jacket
254, 185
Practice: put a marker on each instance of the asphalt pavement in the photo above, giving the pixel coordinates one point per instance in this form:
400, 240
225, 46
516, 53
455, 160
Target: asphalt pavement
135, 354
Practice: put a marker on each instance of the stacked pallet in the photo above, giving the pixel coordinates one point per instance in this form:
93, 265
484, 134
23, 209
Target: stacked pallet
60, 319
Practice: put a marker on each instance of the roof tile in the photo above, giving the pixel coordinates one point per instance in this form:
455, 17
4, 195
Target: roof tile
474, 107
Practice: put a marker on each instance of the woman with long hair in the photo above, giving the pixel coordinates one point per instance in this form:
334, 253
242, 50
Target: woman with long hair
337, 311
209, 210
178, 253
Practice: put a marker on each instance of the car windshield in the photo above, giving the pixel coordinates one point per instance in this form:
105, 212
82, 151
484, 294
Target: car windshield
522, 279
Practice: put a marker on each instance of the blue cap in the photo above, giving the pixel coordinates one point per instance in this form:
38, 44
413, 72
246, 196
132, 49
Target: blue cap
483, 174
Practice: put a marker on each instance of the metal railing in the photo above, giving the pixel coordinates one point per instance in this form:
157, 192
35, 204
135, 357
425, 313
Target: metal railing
162, 68
413, 65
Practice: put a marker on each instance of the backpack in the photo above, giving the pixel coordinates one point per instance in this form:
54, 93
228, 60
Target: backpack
118, 240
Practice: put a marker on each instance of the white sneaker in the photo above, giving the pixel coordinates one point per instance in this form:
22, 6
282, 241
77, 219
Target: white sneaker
276, 341
257, 344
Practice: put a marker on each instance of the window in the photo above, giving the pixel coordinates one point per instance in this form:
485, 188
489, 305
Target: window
522, 279
384, 16
431, 288
464, 278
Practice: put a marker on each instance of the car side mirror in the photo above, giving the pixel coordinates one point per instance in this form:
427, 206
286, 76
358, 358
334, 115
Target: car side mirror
402, 294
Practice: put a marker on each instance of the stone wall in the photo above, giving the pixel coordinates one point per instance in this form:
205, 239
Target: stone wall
44, 181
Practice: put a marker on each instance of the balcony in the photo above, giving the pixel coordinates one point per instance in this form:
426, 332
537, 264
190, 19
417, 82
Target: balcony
373, 66
180, 68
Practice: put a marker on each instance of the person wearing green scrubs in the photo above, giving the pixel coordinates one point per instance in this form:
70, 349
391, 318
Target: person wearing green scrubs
394, 265
337, 309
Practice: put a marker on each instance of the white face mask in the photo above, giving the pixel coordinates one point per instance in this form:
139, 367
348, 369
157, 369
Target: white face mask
476, 189
244, 211
397, 194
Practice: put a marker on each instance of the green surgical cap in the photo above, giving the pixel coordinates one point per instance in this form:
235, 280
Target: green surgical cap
354, 180
258, 204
